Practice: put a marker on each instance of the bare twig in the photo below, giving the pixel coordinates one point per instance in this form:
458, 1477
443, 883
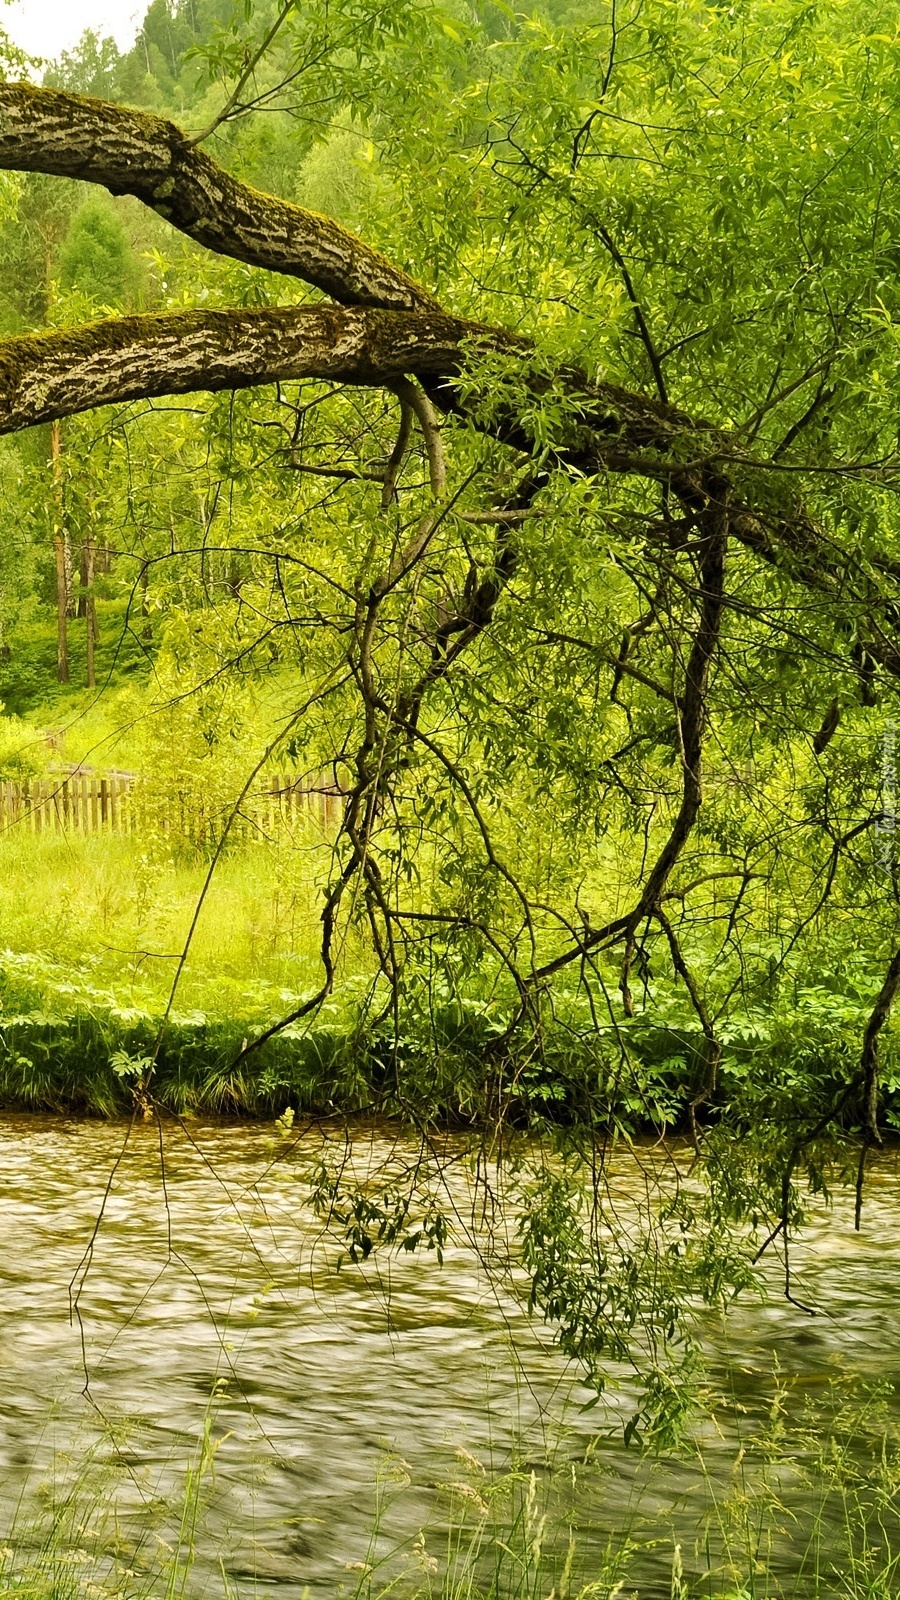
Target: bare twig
228, 110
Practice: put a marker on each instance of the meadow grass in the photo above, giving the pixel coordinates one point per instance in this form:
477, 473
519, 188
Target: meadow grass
28, 684
93, 932
114, 909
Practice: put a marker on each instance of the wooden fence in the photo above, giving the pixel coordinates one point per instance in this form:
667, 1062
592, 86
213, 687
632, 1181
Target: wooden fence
81, 802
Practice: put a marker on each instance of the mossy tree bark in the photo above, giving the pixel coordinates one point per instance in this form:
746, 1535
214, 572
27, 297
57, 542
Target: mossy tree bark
137, 153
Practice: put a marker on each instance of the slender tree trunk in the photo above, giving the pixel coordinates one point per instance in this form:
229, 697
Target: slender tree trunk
90, 609
147, 630
81, 603
59, 548
69, 560
62, 640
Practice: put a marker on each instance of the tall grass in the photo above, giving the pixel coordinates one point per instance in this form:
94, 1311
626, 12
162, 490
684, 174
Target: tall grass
93, 929
806, 1509
117, 912
82, 1548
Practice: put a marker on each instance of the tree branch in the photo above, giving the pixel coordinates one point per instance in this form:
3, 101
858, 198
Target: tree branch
228, 110
138, 153
409, 394
50, 375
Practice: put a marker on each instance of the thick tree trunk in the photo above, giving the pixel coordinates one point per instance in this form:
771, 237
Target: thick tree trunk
50, 375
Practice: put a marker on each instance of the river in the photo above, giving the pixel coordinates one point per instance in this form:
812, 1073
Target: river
210, 1298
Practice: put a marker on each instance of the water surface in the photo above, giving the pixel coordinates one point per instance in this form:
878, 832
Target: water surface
209, 1297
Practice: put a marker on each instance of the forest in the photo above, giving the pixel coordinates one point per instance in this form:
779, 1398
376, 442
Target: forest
448, 799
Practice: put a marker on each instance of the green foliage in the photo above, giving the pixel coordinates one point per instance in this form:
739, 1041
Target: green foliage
95, 257
694, 203
23, 754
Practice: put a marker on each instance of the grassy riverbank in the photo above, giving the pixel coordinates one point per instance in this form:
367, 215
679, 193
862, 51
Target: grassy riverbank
805, 1510
94, 929
92, 987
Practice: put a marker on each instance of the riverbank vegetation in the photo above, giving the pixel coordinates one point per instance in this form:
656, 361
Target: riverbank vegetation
485, 421
93, 927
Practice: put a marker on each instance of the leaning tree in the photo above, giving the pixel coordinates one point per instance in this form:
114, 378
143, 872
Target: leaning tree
628, 569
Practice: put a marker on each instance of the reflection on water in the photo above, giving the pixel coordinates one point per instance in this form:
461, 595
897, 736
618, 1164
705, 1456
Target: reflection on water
210, 1294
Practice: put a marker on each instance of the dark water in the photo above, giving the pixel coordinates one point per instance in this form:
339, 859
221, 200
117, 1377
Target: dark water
211, 1299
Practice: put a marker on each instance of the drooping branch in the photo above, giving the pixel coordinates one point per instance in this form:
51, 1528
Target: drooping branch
712, 1044
868, 1070
390, 727
865, 1078
692, 723
138, 153
694, 712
